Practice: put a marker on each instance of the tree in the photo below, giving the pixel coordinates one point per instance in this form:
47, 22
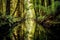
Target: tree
29, 19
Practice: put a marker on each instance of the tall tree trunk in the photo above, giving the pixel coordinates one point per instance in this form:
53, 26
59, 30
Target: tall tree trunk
30, 23
13, 7
3, 7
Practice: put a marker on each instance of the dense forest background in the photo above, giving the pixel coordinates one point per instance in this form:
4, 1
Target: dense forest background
29, 19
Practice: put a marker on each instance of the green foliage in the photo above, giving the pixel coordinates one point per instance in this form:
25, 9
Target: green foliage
47, 10
42, 12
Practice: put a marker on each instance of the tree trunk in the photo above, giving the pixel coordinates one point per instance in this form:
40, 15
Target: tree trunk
30, 22
3, 7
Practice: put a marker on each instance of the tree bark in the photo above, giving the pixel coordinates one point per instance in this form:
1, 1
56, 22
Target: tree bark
30, 23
